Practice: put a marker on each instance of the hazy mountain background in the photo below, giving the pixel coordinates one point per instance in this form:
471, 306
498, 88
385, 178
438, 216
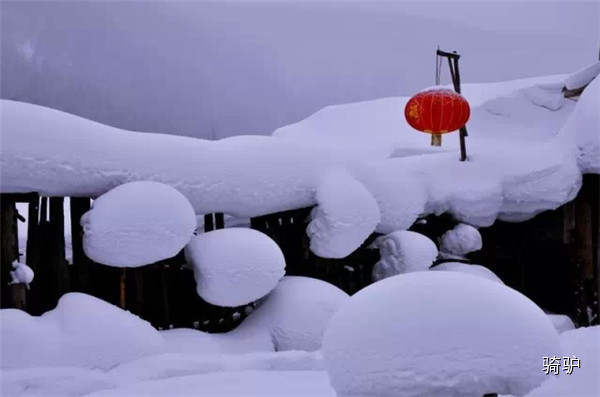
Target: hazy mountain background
214, 69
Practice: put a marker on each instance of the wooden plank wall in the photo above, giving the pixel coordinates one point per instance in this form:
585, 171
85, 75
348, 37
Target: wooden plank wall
553, 259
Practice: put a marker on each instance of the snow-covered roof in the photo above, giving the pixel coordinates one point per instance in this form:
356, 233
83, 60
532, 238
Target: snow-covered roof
527, 147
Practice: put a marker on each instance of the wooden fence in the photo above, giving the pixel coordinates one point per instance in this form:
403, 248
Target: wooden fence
552, 259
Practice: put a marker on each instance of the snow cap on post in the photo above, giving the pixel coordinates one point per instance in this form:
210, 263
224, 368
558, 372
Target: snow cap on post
136, 224
235, 266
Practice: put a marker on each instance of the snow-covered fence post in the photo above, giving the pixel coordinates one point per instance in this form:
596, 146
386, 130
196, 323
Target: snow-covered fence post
13, 296
81, 263
55, 254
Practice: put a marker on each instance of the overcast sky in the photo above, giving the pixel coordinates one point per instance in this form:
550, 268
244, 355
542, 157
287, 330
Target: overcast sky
198, 68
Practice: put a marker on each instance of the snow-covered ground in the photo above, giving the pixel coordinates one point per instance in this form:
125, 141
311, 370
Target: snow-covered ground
107, 352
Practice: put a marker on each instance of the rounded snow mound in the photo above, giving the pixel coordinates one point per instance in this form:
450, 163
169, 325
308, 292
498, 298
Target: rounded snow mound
437, 334
294, 315
461, 240
82, 331
138, 223
475, 270
403, 252
235, 266
346, 216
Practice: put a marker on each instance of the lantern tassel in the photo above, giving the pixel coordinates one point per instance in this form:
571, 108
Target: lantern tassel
436, 140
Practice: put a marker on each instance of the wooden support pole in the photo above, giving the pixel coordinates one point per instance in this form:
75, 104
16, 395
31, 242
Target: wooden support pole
209, 224
219, 220
453, 58
12, 295
122, 289
81, 263
55, 257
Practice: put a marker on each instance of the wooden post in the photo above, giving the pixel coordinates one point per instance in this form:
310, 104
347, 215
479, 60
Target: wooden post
208, 223
13, 295
122, 289
57, 260
219, 220
578, 236
453, 58
81, 263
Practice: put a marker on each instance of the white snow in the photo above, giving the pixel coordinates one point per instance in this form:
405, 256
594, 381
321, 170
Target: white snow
582, 77
521, 160
584, 127
561, 322
584, 344
345, 217
292, 317
82, 331
190, 341
235, 266
169, 365
461, 240
234, 383
437, 334
475, 270
53, 382
136, 224
21, 274
403, 252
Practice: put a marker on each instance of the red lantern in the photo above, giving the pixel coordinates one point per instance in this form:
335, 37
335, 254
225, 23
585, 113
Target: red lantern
437, 112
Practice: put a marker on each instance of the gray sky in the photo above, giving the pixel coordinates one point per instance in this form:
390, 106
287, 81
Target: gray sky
248, 67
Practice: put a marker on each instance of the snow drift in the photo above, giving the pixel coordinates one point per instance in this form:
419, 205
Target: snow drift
82, 331
437, 334
292, 317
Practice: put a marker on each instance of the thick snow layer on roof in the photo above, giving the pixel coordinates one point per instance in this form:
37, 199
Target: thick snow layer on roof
292, 317
582, 77
58, 154
403, 251
475, 270
521, 159
235, 266
584, 125
345, 217
82, 331
437, 334
136, 224
380, 126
